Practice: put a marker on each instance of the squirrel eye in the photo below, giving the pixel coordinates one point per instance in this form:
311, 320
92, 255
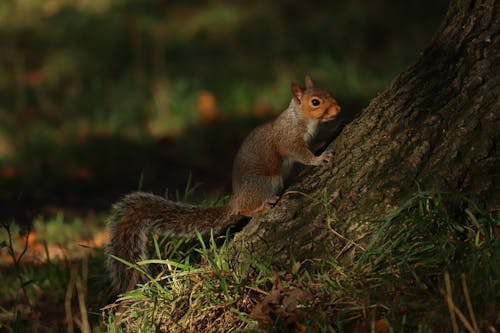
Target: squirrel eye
315, 102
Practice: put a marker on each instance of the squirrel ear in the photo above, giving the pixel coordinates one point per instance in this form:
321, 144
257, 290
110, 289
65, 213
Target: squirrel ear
309, 82
297, 92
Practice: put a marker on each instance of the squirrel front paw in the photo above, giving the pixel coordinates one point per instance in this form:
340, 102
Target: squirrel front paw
326, 157
272, 201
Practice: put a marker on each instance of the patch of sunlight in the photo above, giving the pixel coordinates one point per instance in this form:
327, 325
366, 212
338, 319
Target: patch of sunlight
53, 238
172, 108
217, 19
5, 147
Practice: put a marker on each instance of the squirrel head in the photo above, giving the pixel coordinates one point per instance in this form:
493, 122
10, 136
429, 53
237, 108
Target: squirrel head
315, 102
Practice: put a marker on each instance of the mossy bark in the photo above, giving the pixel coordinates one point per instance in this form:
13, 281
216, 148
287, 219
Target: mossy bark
435, 127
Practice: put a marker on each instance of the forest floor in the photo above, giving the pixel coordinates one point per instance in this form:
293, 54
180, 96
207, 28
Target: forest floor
439, 271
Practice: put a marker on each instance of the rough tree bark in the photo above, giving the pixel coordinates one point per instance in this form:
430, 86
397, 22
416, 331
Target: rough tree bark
436, 125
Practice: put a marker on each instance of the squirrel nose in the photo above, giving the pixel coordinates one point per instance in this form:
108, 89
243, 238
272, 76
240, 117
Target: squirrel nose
336, 109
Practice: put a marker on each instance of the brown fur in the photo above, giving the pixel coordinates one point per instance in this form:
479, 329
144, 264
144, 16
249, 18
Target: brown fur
260, 166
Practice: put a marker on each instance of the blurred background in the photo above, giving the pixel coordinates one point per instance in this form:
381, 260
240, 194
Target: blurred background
102, 97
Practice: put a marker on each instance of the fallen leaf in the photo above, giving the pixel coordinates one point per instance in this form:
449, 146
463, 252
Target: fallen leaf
280, 308
379, 326
207, 107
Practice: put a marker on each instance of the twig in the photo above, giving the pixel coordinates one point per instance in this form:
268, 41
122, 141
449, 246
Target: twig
17, 260
469, 303
449, 300
25, 248
463, 319
85, 273
67, 300
454, 309
492, 329
85, 326
335, 232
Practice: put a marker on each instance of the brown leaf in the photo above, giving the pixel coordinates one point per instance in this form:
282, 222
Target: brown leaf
207, 107
379, 326
8, 172
280, 308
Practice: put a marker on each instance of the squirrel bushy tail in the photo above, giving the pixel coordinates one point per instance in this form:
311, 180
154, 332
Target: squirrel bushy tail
137, 214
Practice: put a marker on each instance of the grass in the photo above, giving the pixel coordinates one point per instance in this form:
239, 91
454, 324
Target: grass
417, 247
195, 297
52, 276
429, 265
424, 268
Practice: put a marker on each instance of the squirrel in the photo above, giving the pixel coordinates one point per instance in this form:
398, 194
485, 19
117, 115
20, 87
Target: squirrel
262, 162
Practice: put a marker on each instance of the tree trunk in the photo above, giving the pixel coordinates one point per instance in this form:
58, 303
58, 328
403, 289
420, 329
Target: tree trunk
436, 127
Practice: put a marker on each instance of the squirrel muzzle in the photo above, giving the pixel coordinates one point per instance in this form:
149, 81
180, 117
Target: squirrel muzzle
331, 113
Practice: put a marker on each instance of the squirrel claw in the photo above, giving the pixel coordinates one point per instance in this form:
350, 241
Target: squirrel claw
327, 156
272, 201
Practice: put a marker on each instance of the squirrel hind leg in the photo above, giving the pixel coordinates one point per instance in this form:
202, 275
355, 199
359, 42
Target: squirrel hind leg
256, 196
267, 204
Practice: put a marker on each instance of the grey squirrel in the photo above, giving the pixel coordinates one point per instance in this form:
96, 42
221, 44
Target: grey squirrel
260, 166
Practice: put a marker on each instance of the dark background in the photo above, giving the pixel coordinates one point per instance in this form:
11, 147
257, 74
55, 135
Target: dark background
100, 98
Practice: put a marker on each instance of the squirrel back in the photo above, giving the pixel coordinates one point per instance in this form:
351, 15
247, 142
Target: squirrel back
259, 168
